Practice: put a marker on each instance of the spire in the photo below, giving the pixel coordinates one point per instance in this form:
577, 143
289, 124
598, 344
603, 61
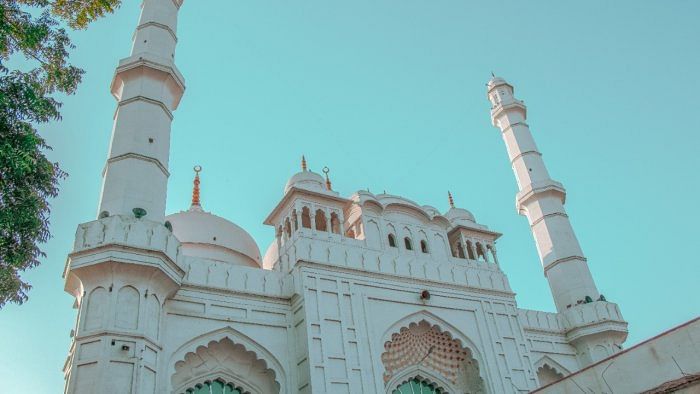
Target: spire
452, 201
195, 189
326, 170
303, 163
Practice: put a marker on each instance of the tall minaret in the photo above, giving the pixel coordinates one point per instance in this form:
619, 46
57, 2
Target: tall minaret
125, 265
148, 87
541, 200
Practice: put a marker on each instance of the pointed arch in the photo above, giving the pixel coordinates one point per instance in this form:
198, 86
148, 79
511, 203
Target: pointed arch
288, 227
442, 326
470, 250
459, 250
238, 338
305, 217
335, 223
480, 253
320, 220
127, 314
421, 374
96, 306
295, 222
547, 368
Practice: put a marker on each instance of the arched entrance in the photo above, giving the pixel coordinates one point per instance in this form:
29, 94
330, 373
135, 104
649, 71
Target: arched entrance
223, 367
421, 356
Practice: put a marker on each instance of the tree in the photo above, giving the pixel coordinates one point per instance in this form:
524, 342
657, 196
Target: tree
28, 179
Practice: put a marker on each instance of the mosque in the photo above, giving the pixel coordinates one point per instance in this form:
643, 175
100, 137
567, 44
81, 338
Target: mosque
366, 293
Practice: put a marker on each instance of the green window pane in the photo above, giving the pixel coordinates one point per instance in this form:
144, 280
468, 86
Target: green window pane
215, 387
415, 386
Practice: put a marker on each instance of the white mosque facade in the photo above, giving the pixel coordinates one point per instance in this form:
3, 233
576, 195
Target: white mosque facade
355, 294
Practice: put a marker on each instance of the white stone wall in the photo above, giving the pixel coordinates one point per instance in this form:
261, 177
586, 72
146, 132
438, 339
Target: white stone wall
670, 356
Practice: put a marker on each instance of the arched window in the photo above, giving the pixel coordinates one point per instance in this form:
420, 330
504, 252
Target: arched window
335, 223
392, 240
470, 250
460, 250
288, 227
305, 217
423, 246
407, 243
480, 255
321, 220
295, 222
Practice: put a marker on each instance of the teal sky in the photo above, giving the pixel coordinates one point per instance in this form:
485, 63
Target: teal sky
391, 95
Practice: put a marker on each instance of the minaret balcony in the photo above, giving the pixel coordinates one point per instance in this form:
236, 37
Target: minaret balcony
123, 239
504, 107
536, 189
168, 86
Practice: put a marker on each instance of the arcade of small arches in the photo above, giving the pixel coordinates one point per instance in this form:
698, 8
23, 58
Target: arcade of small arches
320, 219
474, 250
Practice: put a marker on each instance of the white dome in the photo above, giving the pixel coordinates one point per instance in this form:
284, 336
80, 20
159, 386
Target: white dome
205, 235
459, 214
307, 180
495, 81
271, 256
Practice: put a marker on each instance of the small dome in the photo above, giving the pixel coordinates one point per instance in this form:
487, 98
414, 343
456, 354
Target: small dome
459, 214
271, 256
208, 236
495, 81
307, 180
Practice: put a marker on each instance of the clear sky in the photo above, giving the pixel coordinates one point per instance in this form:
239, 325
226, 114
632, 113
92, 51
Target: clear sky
391, 95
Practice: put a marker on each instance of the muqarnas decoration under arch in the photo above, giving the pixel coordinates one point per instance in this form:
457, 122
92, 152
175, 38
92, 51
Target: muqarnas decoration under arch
424, 356
223, 365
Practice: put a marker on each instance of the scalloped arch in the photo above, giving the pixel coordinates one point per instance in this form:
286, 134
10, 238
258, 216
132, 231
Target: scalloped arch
238, 338
444, 327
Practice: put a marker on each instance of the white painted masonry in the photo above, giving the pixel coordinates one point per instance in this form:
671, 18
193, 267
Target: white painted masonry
359, 294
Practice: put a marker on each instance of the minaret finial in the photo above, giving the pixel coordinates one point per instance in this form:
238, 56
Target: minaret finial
326, 170
195, 190
303, 163
452, 201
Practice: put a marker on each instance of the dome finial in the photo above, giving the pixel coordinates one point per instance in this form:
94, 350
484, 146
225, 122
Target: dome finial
303, 163
195, 190
326, 170
452, 201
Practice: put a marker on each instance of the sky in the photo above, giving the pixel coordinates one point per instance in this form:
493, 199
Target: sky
391, 96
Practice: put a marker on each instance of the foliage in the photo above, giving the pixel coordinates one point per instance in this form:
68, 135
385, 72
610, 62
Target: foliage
32, 28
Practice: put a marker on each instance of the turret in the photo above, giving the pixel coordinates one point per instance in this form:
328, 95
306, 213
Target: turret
541, 199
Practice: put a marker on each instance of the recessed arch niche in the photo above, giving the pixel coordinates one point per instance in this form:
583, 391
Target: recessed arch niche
228, 364
431, 358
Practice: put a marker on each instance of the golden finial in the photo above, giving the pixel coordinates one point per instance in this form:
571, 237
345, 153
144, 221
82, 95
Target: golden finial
303, 163
326, 170
195, 190
452, 201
